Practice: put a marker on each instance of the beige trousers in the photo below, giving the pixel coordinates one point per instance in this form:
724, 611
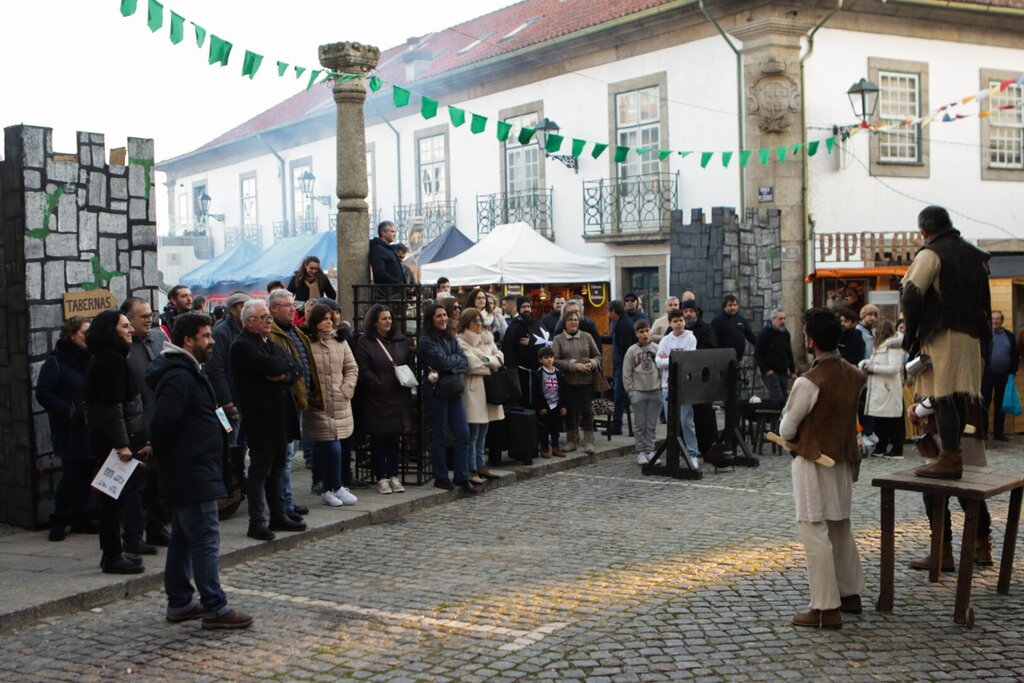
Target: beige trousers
833, 565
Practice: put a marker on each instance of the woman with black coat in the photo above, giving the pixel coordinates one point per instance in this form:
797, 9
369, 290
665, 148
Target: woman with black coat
60, 390
310, 282
115, 421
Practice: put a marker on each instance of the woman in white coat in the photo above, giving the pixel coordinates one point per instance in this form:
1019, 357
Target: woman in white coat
884, 399
484, 358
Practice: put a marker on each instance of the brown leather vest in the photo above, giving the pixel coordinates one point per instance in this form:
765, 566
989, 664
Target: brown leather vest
831, 426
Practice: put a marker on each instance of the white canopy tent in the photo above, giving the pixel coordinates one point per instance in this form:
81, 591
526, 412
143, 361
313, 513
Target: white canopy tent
515, 253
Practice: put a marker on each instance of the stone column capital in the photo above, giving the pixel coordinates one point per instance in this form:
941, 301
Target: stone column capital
349, 57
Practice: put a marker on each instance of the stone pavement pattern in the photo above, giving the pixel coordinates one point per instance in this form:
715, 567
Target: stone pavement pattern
595, 574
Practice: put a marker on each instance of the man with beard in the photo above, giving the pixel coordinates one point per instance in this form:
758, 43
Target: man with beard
522, 339
550, 321
179, 300
774, 356
190, 445
851, 344
660, 327
703, 413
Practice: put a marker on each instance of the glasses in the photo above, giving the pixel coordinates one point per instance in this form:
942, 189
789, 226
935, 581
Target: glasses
476, 321
265, 317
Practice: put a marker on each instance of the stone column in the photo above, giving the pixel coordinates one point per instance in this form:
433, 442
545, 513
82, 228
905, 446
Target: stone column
353, 212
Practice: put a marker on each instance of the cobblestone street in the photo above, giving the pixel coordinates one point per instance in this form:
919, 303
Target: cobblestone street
597, 574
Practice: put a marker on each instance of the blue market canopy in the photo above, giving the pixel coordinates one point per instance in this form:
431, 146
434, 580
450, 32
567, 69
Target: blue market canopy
281, 260
449, 243
208, 274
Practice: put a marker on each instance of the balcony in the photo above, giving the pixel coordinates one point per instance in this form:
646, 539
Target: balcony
294, 229
431, 218
532, 207
634, 209
332, 222
197, 238
235, 234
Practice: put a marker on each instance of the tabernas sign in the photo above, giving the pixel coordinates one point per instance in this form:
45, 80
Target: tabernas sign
88, 304
870, 247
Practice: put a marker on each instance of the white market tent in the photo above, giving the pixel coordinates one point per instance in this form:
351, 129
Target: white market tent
515, 253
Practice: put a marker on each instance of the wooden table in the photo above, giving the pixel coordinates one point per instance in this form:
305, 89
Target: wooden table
976, 485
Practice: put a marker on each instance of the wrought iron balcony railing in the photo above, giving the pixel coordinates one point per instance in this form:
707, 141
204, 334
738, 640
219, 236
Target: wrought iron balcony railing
198, 238
529, 206
432, 218
235, 234
636, 206
294, 228
332, 222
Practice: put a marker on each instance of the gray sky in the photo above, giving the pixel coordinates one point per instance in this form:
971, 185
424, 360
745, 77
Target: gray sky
79, 65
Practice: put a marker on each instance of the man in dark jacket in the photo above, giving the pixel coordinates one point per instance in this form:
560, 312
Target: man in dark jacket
218, 369
1001, 362
263, 376
731, 329
701, 329
550, 321
523, 338
179, 300
384, 262
704, 420
851, 344
191, 445
623, 336
773, 353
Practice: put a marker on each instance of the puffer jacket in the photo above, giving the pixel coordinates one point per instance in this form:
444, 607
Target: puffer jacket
338, 372
884, 396
572, 349
114, 414
59, 390
476, 347
284, 340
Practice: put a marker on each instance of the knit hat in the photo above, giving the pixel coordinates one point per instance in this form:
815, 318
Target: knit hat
237, 298
689, 304
520, 300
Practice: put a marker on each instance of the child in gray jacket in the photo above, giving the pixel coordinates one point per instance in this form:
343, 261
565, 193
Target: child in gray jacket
642, 379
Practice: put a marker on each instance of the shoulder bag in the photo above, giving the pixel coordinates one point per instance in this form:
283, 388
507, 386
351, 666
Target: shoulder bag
502, 386
406, 377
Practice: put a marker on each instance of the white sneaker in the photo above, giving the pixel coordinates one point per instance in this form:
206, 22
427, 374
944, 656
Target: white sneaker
871, 439
383, 487
642, 458
329, 498
345, 496
396, 485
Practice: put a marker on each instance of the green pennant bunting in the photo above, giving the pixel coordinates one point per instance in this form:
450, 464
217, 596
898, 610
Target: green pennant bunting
525, 135
281, 68
830, 143
726, 158
796, 148
200, 34
620, 154
599, 148
683, 155
664, 154
553, 143
128, 7
705, 157
220, 50
177, 28
763, 154
457, 116
155, 15
375, 84
344, 78
251, 64
299, 70
477, 124
812, 148
428, 108
642, 150
400, 96
504, 128
744, 157
577, 146
312, 78
780, 153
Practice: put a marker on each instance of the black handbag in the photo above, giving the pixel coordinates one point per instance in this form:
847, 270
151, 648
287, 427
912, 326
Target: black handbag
448, 387
502, 387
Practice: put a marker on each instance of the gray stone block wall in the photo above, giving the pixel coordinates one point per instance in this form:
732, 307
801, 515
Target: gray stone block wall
65, 226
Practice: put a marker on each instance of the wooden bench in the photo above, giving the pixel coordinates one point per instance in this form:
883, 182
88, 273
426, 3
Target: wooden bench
976, 485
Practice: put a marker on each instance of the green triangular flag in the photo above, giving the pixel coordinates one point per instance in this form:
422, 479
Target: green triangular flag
683, 155
504, 128
200, 34
345, 78
763, 154
577, 146
664, 154
744, 157
620, 154
726, 158
128, 7
177, 28
830, 143
155, 15
299, 70
553, 143
251, 64
525, 135
400, 96
220, 50
281, 68
312, 78
375, 84
642, 150
477, 124
780, 153
705, 157
428, 107
458, 116
599, 148
796, 148
812, 148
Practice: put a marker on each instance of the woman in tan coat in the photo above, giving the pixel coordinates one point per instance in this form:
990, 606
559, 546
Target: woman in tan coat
484, 358
577, 356
327, 421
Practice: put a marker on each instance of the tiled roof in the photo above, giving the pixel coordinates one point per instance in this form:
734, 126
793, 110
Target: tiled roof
545, 20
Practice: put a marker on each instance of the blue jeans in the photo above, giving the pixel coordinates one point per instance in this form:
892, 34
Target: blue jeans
287, 496
194, 553
327, 461
442, 415
687, 429
477, 446
778, 387
619, 394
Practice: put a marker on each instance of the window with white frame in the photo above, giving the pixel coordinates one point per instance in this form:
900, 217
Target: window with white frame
522, 162
638, 124
1006, 128
433, 185
249, 217
899, 98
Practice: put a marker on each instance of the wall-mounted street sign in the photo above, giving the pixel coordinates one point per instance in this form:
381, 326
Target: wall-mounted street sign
88, 304
766, 193
871, 247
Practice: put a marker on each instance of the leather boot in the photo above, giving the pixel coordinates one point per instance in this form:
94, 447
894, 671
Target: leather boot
588, 442
948, 466
925, 562
819, 618
983, 552
572, 437
851, 604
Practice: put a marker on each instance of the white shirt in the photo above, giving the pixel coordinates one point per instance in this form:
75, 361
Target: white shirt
669, 343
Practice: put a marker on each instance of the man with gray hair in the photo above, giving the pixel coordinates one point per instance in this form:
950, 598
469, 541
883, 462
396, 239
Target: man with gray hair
773, 354
660, 327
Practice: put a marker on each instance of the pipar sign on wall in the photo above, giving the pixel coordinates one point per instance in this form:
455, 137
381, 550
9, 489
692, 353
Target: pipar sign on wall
870, 247
88, 304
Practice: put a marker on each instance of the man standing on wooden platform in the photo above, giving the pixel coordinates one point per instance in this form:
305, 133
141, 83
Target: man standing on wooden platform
821, 418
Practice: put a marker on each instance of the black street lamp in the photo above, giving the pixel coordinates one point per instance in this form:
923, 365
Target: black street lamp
306, 182
204, 210
864, 99
547, 127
